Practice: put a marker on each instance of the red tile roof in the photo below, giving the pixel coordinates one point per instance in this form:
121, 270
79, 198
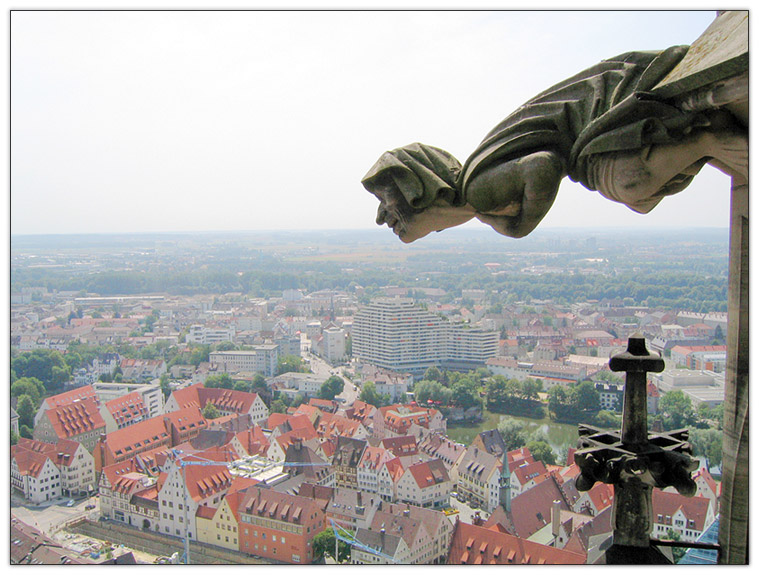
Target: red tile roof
360, 411
531, 510
602, 496
113, 473
429, 473
186, 420
394, 468
400, 446
229, 400
695, 509
373, 457
527, 472
127, 408
333, 425
205, 512
474, 545
302, 433
29, 462
61, 453
400, 417
254, 441
73, 419
129, 440
204, 481
85, 392
282, 507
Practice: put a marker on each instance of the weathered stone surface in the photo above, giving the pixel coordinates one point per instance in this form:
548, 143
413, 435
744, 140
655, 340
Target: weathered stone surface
636, 128
734, 504
684, 108
721, 52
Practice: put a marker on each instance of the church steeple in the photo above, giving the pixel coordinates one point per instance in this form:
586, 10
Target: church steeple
504, 484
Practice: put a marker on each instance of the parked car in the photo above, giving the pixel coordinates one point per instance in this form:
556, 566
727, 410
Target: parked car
70, 503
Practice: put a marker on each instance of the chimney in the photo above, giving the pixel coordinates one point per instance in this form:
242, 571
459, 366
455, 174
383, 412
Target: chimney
555, 518
477, 519
358, 498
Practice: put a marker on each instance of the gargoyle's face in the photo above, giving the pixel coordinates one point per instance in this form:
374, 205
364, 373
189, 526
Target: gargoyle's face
410, 225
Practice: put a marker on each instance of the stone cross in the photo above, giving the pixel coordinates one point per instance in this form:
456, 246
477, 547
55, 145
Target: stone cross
635, 461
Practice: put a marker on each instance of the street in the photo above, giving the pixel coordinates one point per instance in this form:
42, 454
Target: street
50, 515
466, 513
323, 369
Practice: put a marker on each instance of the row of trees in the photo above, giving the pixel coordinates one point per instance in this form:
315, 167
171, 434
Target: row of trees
688, 283
449, 389
515, 397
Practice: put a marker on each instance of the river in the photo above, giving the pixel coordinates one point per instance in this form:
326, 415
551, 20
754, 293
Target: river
560, 436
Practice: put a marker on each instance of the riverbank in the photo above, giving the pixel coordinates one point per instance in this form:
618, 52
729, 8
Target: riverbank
560, 436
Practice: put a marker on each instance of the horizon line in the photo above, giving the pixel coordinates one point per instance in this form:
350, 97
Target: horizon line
317, 230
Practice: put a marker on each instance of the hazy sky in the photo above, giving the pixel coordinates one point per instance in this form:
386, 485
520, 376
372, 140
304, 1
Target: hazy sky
139, 121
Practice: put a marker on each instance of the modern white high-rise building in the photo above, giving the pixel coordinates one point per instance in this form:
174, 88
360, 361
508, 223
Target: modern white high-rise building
396, 334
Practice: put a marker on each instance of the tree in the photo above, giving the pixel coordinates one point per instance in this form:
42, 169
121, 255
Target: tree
434, 374
278, 406
433, 391
465, 394
30, 386
542, 451
324, 544
531, 388
332, 387
225, 346
676, 410
707, 443
46, 365
26, 411
586, 398
297, 400
290, 363
165, 386
370, 395
223, 380
608, 420
14, 437
511, 432
210, 411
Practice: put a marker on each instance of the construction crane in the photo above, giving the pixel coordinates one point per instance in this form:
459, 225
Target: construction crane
197, 460
341, 534
183, 464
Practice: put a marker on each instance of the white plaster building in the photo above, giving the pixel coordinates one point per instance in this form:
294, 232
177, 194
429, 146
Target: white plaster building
260, 359
425, 484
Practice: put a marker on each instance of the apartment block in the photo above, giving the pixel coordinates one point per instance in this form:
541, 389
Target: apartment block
396, 334
260, 359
